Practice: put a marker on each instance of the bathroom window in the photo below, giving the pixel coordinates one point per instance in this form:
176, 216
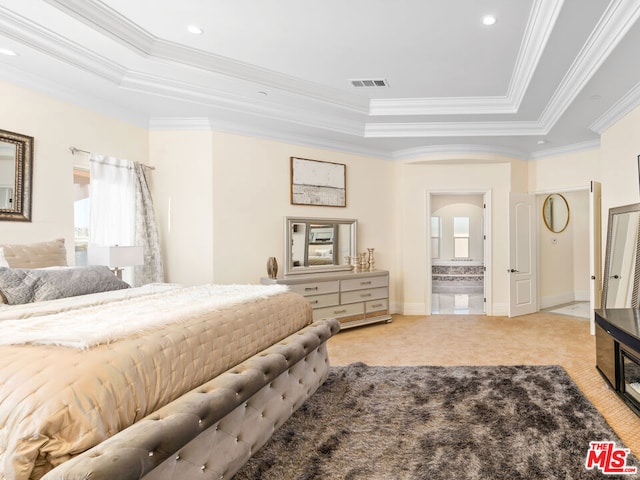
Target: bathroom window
461, 237
435, 237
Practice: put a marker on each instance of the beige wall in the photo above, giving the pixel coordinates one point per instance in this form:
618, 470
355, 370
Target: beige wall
416, 181
183, 200
55, 126
620, 147
230, 194
221, 198
563, 258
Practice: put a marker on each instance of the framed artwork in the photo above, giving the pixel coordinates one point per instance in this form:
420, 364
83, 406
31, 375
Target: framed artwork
314, 182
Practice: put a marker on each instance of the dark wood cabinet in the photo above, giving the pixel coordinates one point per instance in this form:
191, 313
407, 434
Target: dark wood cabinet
618, 352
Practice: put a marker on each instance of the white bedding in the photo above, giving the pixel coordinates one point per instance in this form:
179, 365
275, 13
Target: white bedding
87, 326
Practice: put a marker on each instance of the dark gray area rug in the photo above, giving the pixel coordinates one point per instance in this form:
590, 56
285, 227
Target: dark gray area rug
428, 422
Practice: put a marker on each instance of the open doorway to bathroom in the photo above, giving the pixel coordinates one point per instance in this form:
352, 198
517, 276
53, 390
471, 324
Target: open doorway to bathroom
457, 253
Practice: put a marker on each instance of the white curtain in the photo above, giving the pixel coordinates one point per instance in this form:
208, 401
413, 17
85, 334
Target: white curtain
121, 213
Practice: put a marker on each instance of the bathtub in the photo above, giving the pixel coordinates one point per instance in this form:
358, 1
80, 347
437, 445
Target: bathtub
462, 272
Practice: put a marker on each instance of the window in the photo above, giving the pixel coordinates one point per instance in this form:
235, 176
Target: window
435, 237
461, 237
81, 214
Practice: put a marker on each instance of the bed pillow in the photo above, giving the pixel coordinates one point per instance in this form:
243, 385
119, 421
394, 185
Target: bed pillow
20, 286
36, 255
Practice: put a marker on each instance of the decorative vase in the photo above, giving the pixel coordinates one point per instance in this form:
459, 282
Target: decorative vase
371, 262
272, 267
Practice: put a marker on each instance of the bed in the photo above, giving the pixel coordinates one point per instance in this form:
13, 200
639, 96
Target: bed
162, 381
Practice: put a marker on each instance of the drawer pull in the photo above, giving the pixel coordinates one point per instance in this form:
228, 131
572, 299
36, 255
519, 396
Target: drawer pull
308, 289
366, 283
339, 311
365, 295
377, 305
314, 302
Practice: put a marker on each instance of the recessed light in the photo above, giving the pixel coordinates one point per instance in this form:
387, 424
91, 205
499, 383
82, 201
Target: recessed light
196, 30
6, 51
488, 20
541, 142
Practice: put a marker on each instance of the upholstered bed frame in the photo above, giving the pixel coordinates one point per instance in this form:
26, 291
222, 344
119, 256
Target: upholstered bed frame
210, 432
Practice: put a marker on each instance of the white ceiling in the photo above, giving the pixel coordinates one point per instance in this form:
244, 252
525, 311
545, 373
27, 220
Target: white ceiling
558, 71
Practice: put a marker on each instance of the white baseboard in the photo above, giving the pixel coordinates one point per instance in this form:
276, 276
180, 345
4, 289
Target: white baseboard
500, 310
553, 300
414, 309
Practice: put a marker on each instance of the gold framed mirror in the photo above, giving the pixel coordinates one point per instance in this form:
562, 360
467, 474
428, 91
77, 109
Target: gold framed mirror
555, 212
16, 164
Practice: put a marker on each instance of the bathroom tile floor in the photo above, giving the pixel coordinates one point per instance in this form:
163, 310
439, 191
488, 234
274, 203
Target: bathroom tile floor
457, 300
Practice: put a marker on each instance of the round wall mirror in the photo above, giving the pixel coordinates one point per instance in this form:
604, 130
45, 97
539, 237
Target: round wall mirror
555, 212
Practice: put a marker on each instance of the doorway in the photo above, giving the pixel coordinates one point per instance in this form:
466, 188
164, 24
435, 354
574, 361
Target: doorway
457, 246
564, 257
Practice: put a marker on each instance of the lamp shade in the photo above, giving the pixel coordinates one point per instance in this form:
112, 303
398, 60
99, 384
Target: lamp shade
115, 256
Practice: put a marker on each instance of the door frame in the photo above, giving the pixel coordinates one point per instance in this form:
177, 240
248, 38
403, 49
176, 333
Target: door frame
488, 272
594, 229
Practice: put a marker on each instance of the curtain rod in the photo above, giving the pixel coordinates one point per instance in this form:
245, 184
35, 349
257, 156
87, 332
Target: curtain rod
75, 150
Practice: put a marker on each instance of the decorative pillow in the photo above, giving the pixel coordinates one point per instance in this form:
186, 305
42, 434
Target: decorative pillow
20, 286
36, 255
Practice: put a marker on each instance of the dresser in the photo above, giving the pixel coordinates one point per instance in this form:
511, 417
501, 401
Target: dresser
354, 298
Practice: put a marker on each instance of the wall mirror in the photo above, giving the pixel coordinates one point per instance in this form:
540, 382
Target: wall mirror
621, 276
318, 244
555, 212
16, 163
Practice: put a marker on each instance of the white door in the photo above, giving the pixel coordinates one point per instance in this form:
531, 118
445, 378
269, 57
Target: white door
595, 250
523, 295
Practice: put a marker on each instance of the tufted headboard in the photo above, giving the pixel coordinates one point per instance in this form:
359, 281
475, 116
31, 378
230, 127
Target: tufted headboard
35, 255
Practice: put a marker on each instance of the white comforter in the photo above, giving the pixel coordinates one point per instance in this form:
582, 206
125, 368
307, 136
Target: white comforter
56, 402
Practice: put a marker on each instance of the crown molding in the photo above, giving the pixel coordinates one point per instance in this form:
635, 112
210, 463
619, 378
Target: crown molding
440, 106
541, 22
50, 43
182, 123
612, 27
169, 88
458, 149
574, 148
623, 106
544, 14
263, 132
99, 16
451, 129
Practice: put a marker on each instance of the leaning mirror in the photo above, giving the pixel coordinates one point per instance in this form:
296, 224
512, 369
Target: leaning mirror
555, 212
16, 163
318, 244
621, 277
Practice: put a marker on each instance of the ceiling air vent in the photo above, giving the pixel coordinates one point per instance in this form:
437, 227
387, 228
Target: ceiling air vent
369, 83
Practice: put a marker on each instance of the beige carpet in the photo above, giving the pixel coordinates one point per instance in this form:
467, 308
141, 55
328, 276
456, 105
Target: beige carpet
538, 339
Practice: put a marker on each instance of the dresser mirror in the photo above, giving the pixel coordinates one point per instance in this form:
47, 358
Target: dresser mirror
621, 276
555, 212
16, 160
318, 244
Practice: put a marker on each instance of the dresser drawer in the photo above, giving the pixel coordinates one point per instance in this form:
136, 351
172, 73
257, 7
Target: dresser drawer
315, 288
364, 295
374, 308
366, 282
339, 311
327, 300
